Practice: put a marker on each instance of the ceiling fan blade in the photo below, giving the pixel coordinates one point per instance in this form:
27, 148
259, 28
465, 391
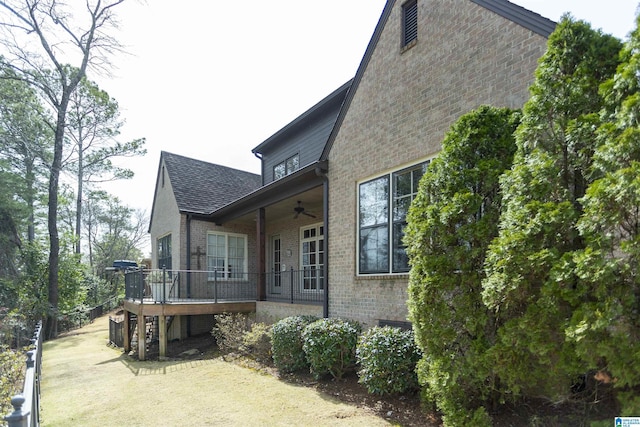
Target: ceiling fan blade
308, 214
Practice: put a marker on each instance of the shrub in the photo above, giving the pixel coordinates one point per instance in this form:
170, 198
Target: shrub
330, 346
229, 330
12, 367
387, 357
286, 343
240, 333
257, 342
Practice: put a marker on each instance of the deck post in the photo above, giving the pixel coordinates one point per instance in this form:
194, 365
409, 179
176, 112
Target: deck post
162, 330
142, 337
262, 255
292, 279
125, 332
164, 284
215, 285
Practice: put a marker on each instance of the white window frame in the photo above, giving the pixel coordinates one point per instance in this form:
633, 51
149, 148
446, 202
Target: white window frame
389, 175
319, 280
227, 274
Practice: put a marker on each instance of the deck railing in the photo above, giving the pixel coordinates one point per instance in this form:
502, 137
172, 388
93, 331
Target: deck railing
296, 286
166, 286
26, 405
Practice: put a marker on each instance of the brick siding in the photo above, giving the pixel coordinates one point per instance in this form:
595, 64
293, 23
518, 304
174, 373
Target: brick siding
465, 56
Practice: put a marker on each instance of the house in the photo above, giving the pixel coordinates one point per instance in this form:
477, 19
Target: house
429, 62
321, 232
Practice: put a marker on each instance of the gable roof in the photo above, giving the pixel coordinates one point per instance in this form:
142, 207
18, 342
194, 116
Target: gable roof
329, 104
517, 14
201, 187
521, 16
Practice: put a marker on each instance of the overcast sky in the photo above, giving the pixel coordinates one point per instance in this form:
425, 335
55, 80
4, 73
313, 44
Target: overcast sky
213, 79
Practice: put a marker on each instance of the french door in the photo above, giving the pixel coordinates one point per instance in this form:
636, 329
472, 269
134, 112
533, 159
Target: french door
276, 265
312, 254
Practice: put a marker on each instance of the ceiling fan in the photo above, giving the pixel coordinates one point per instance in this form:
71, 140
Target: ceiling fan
300, 210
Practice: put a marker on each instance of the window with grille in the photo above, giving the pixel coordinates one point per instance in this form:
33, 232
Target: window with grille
409, 23
312, 254
227, 255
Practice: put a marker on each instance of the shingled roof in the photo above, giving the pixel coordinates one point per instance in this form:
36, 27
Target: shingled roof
201, 187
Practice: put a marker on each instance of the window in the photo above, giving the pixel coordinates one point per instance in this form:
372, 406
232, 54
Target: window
164, 252
312, 248
227, 255
409, 23
383, 204
287, 167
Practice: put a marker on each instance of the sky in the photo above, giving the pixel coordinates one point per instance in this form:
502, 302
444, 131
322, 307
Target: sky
210, 81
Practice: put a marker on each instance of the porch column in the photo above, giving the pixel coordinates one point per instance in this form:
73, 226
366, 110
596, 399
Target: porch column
142, 337
162, 329
262, 283
126, 337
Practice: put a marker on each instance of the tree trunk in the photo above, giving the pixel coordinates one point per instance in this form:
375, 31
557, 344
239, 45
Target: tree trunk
54, 239
30, 179
79, 196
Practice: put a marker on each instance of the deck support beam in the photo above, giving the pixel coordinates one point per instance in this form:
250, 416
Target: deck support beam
162, 331
126, 336
142, 337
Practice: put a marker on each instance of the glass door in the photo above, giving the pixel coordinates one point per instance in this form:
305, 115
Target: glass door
312, 252
275, 283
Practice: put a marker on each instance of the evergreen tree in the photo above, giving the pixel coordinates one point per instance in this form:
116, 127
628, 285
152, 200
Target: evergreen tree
450, 225
606, 325
531, 284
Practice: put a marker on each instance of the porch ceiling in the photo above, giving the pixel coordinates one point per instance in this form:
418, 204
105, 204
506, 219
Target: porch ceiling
311, 201
279, 198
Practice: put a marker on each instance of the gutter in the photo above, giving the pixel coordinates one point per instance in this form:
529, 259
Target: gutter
322, 173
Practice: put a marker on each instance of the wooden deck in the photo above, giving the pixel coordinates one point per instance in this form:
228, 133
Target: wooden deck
188, 308
174, 308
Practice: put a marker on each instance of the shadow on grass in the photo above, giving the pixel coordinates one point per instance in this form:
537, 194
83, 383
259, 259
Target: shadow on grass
155, 367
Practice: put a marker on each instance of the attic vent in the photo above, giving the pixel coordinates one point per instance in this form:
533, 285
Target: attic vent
409, 23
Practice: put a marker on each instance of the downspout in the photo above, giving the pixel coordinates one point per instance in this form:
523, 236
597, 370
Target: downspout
261, 291
325, 215
188, 245
189, 216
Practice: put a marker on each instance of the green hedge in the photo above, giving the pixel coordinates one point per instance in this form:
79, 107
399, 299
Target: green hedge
330, 346
286, 343
387, 357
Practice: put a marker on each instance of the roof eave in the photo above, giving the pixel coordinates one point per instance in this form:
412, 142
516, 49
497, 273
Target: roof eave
304, 179
520, 15
326, 102
504, 8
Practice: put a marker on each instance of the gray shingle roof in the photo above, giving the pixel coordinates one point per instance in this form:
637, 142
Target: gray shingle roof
201, 187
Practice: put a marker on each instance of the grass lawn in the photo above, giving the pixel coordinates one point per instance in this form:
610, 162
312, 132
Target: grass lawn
87, 383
